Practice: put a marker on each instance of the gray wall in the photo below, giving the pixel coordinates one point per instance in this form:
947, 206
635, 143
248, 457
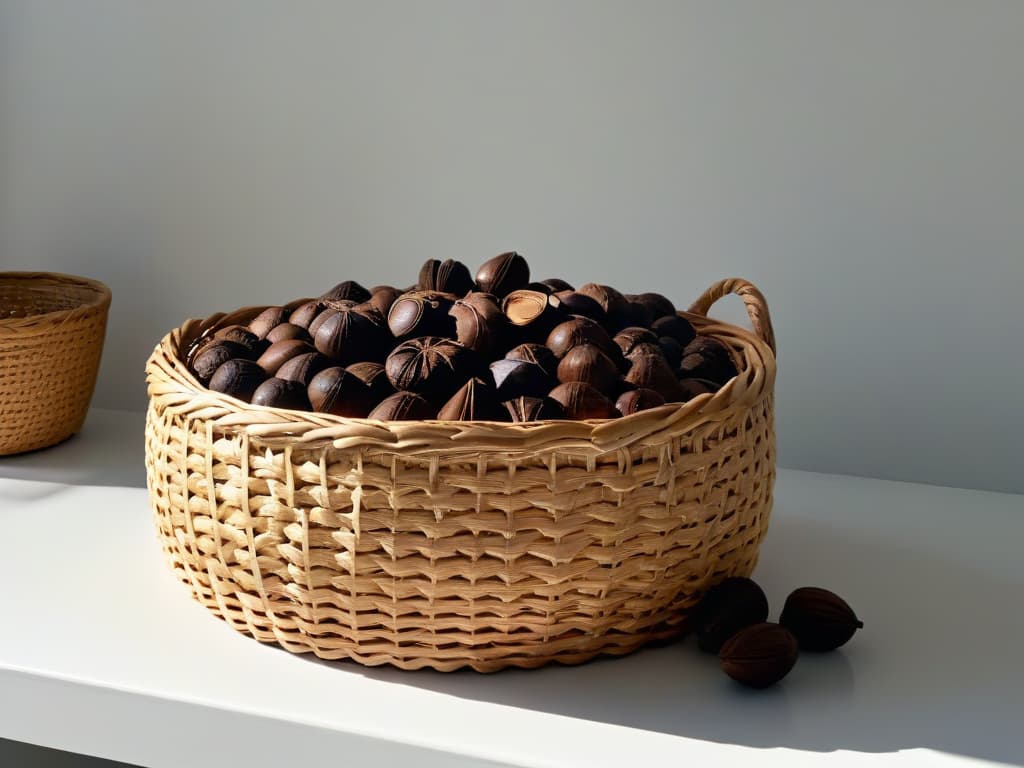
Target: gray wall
861, 161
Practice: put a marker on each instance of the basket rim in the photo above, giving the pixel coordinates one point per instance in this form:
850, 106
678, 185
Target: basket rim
171, 385
101, 295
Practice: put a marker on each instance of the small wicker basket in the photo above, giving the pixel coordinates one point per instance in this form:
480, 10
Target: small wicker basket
452, 544
52, 328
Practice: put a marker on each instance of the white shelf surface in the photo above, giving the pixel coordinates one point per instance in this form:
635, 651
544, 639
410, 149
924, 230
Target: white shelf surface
103, 653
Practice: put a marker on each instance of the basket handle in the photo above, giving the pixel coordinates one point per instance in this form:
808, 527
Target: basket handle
757, 307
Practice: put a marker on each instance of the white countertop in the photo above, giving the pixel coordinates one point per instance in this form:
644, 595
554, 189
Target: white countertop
102, 652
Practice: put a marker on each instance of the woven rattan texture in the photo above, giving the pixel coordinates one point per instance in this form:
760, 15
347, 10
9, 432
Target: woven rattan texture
51, 336
446, 544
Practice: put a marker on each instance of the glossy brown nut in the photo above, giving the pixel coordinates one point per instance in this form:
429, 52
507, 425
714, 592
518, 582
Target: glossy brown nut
760, 655
351, 336
655, 304
382, 298
422, 313
675, 326
286, 331
713, 365
303, 367
652, 372
267, 320
337, 391
320, 319
725, 609
582, 401
306, 313
503, 274
432, 366
821, 620
691, 388
280, 353
636, 315
349, 290
537, 354
556, 284
629, 338
589, 364
672, 351
638, 400
532, 313
213, 355
403, 406
448, 276
517, 378
573, 303
480, 324
375, 377
541, 287
278, 393
534, 409
581, 330
238, 378
242, 335
613, 303
476, 400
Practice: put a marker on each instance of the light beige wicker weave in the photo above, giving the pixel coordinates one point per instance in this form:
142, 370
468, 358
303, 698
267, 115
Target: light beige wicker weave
51, 335
447, 544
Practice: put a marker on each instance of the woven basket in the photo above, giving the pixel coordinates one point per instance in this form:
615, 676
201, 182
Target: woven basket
51, 335
452, 544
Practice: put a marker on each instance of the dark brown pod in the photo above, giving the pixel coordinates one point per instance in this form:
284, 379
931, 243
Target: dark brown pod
541, 287
573, 303
285, 331
652, 372
476, 400
582, 330
319, 320
534, 409
303, 367
238, 378
305, 313
760, 655
638, 400
213, 355
691, 388
537, 354
480, 324
448, 276
655, 304
629, 338
614, 304
432, 366
403, 406
375, 377
382, 298
556, 284
532, 313
278, 393
503, 274
707, 358
675, 326
337, 391
422, 313
645, 349
589, 364
242, 335
672, 350
582, 401
351, 336
349, 290
518, 378
266, 320
820, 620
725, 609
637, 315
280, 353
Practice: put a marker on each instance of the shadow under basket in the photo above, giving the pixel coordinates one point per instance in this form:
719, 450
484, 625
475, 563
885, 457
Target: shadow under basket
462, 544
52, 328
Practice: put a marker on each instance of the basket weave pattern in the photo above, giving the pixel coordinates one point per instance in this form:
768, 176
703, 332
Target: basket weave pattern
52, 328
448, 544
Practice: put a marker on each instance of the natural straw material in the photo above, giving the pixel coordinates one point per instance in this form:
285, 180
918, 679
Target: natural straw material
451, 544
51, 336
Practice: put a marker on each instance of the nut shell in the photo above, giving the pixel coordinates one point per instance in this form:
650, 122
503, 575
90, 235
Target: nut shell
304, 314
267, 320
431, 366
238, 378
476, 400
589, 364
374, 376
349, 290
759, 655
448, 276
243, 336
637, 400
725, 609
422, 313
519, 378
503, 274
288, 330
337, 391
353, 336
675, 326
303, 368
278, 393
821, 620
582, 401
213, 355
403, 406
280, 353
480, 324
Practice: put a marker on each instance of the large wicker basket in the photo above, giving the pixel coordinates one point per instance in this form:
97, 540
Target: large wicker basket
452, 544
51, 336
